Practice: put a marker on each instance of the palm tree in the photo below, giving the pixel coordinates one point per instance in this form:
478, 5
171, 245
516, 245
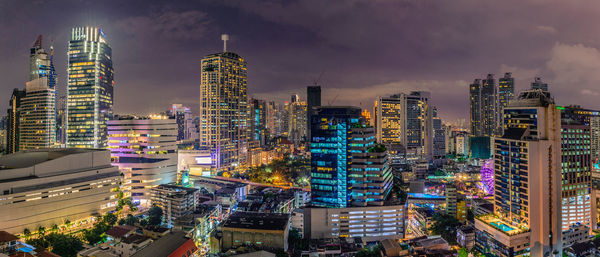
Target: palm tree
41, 230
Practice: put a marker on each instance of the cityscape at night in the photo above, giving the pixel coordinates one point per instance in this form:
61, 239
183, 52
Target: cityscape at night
299, 128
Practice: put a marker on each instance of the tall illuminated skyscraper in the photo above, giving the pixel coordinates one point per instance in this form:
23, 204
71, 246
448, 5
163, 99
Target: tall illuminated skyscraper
405, 119
527, 190
89, 88
297, 120
506, 90
38, 108
13, 121
223, 108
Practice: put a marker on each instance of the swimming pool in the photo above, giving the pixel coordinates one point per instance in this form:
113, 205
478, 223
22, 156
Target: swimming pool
501, 226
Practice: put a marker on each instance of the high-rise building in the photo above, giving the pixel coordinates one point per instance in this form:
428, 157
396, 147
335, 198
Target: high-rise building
389, 120
527, 189
184, 119
3, 126
61, 121
297, 120
89, 88
38, 107
405, 119
576, 175
347, 167
313, 99
485, 107
539, 84
451, 199
144, 149
506, 90
439, 135
13, 121
223, 108
257, 121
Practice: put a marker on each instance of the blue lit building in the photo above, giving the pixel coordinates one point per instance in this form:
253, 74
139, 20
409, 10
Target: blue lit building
347, 167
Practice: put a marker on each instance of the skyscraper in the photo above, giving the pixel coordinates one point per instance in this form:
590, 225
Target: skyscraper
405, 119
89, 88
527, 188
297, 123
313, 99
257, 121
38, 107
13, 121
223, 108
347, 167
439, 135
506, 90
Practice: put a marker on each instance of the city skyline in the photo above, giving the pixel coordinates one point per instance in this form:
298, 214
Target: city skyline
407, 57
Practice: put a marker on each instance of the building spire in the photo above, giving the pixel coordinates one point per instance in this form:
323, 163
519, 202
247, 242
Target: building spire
224, 37
38, 42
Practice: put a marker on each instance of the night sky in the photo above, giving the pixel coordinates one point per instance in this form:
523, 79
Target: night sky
363, 48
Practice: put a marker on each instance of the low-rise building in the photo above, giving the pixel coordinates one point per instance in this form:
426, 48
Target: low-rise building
465, 236
175, 201
47, 187
371, 223
172, 244
259, 230
575, 234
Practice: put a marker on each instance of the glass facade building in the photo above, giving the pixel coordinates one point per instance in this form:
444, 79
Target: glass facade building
89, 88
38, 107
347, 167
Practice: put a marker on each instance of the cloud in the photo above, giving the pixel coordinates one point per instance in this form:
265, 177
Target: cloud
575, 74
187, 25
546, 29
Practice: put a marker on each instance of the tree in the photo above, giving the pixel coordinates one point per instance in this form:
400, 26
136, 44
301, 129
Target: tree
64, 245
54, 227
41, 230
445, 226
26, 232
92, 236
110, 219
155, 216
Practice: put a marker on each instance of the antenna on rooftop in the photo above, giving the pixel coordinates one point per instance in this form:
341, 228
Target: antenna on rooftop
224, 37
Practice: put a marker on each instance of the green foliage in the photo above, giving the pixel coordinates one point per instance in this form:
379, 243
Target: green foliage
369, 252
463, 252
290, 169
129, 220
110, 219
63, 245
155, 216
445, 225
26, 232
96, 234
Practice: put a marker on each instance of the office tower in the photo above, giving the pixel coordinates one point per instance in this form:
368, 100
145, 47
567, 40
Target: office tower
223, 108
405, 119
61, 121
347, 167
144, 149
506, 91
313, 99
576, 175
297, 120
389, 120
527, 190
257, 121
270, 118
539, 84
419, 125
439, 136
89, 88
50, 186
184, 119
485, 107
38, 107
13, 121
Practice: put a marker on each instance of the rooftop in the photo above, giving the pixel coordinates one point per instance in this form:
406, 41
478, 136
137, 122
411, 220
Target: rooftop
120, 231
500, 225
7, 237
24, 159
165, 245
255, 220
